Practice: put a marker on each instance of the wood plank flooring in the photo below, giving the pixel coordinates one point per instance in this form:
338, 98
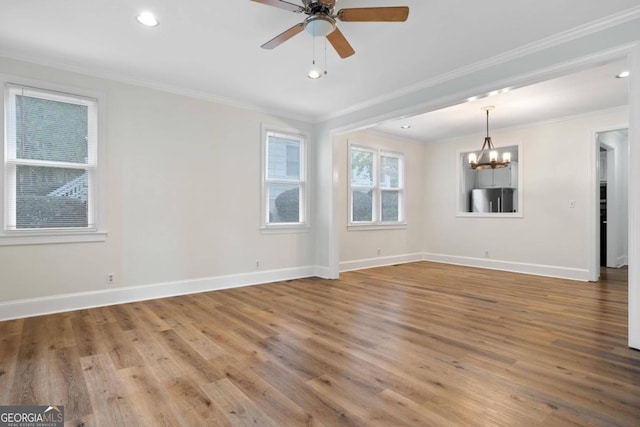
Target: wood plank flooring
419, 344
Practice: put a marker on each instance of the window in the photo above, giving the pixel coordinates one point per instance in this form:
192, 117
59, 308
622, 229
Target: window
376, 187
284, 179
50, 166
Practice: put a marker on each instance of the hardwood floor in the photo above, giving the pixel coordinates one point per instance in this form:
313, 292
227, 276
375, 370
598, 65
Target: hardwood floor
416, 344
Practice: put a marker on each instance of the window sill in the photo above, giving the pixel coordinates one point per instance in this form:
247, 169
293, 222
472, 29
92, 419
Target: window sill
285, 229
31, 238
489, 215
378, 226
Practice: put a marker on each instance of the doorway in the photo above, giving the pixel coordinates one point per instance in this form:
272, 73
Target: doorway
613, 148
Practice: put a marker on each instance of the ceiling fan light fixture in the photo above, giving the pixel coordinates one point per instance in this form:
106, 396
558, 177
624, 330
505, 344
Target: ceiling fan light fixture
314, 74
319, 25
147, 19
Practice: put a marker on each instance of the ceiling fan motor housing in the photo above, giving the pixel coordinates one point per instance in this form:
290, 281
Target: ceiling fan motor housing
316, 6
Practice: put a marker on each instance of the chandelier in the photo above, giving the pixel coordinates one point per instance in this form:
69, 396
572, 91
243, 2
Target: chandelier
480, 161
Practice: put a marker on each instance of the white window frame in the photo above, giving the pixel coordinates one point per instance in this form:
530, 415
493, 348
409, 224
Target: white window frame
95, 166
377, 189
302, 137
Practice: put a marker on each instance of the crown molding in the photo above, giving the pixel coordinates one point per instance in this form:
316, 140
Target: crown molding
154, 85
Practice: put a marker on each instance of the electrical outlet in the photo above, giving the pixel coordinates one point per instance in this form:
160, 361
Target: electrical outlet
378, 251
111, 277
486, 254
257, 263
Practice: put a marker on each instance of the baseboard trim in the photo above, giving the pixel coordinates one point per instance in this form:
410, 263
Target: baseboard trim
323, 272
622, 261
515, 267
68, 302
379, 262
77, 301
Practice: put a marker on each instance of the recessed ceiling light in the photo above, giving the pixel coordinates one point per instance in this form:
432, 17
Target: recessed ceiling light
494, 92
147, 19
623, 74
405, 127
473, 98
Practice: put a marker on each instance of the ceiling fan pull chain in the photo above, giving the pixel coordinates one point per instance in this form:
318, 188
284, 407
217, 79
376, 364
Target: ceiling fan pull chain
325, 56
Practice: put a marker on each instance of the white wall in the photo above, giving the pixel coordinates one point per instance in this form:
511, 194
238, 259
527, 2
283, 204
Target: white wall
358, 248
551, 238
183, 198
622, 201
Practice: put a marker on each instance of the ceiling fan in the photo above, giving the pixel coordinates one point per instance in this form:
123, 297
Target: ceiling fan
321, 21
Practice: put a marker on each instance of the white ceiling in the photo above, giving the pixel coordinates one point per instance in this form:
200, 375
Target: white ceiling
211, 48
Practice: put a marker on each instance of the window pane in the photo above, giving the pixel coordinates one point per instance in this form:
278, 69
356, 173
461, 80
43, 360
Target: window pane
284, 158
390, 172
51, 130
284, 203
51, 197
362, 204
361, 167
390, 206
293, 161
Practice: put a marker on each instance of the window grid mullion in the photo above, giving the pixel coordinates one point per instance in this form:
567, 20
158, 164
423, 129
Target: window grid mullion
49, 164
283, 181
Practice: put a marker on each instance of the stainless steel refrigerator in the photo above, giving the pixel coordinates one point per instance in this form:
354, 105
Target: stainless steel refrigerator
492, 200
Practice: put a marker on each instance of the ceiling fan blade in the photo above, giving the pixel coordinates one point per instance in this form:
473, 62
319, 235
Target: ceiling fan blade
283, 37
340, 43
282, 5
374, 14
